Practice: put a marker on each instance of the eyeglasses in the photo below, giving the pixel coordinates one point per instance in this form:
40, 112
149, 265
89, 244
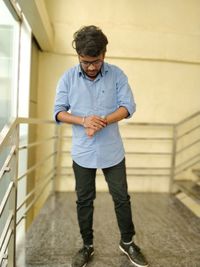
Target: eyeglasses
95, 63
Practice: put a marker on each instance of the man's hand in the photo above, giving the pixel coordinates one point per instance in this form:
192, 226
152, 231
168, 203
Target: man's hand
94, 122
90, 132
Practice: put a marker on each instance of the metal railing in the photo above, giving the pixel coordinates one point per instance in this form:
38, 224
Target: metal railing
149, 151
154, 150
187, 143
187, 156
11, 211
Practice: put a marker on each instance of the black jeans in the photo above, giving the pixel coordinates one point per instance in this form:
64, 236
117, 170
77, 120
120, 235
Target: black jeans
86, 192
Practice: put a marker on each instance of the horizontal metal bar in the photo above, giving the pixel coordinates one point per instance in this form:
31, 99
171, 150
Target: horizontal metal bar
6, 132
148, 138
135, 138
154, 124
132, 168
36, 166
148, 168
22, 120
132, 174
187, 167
148, 153
34, 200
37, 143
5, 246
5, 167
186, 161
5, 263
10, 127
146, 175
188, 118
36, 187
6, 197
5, 230
133, 153
188, 132
188, 146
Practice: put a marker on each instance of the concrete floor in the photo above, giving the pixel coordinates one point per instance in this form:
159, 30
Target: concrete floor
167, 232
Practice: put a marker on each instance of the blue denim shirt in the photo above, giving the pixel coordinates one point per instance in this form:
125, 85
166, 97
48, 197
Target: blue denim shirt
102, 96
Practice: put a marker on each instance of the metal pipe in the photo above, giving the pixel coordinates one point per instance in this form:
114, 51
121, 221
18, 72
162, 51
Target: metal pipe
186, 161
5, 246
36, 165
6, 197
35, 189
188, 146
188, 132
34, 200
37, 143
188, 118
5, 230
5, 167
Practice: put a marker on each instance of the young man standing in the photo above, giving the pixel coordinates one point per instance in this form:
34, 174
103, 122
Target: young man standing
98, 95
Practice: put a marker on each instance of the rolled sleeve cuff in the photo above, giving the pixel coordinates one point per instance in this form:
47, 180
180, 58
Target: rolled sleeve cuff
130, 109
56, 114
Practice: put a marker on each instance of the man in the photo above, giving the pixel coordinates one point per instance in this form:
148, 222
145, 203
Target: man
98, 95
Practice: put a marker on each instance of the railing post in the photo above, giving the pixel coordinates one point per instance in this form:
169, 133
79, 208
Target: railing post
173, 158
13, 201
57, 149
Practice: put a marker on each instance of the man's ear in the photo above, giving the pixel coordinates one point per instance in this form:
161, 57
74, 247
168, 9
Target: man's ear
104, 54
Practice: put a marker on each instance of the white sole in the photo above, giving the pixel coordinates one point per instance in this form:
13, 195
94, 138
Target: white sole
136, 264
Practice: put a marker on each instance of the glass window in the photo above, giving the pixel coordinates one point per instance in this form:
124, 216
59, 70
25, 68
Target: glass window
9, 46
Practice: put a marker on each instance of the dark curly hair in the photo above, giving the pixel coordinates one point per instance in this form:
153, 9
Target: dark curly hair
90, 41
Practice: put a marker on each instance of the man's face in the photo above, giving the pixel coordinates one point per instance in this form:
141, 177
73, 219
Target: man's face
91, 65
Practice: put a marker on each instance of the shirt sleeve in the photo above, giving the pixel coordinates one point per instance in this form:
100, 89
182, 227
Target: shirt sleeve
125, 96
61, 98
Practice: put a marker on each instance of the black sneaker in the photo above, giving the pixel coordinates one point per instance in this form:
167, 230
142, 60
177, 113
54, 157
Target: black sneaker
134, 254
82, 256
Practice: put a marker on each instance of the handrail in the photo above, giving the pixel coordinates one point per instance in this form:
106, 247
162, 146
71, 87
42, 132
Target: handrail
5, 230
5, 167
6, 197
8, 128
21, 120
188, 132
188, 118
52, 171
135, 153
156, 124
37, 143
169, 167
9, 137
188, 160
188, 146
35, 199
192, 157
5, 245
36, 165
6, 131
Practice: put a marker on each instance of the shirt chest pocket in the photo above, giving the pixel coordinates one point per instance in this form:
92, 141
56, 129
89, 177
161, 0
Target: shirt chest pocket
109, 97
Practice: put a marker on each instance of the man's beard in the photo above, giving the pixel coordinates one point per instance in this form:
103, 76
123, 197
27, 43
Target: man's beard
91, 76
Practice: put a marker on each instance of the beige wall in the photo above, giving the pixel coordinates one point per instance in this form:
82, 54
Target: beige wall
164, 91
32, 128
155, 42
